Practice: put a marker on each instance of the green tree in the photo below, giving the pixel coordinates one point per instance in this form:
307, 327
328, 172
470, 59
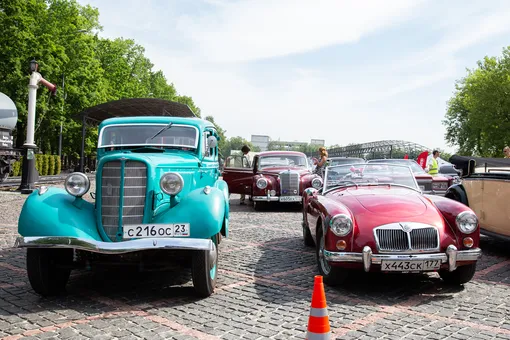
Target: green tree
60, 35
478, 114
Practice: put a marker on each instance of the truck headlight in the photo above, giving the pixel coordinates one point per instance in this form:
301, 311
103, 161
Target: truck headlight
77, 184
262, 183
466, 222
341, 225
317, 183
171, 183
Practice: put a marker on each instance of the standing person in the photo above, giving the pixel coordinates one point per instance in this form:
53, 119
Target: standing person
506, 151
321, 163
245, 150
432, 165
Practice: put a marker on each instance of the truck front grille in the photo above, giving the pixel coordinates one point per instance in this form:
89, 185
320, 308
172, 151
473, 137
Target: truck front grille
122, 200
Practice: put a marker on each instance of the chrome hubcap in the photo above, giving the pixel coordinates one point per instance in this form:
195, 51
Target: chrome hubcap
324, 264
212, 255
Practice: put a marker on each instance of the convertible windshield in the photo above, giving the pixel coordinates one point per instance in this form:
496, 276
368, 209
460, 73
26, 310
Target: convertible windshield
340, 161
143, 134
282, 160
369, 174
415, 167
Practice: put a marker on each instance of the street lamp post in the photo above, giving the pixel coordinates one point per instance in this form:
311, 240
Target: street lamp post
29, 173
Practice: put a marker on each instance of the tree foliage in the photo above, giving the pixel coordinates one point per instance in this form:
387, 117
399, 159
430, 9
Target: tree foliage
88, 70
478, 114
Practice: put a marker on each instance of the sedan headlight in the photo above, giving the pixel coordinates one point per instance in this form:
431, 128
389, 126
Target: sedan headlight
77, 184
341, 225
262, 183
466, 222
317, 183
171, 183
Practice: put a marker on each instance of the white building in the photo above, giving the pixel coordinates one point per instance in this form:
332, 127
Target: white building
261, 141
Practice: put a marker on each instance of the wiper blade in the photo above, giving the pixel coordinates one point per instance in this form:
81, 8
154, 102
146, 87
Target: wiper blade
160, 132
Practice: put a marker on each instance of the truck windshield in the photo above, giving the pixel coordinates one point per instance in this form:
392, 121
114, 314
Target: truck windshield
184, 136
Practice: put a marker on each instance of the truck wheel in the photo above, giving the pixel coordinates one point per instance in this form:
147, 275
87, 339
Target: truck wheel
49, 269
461, 275
204, 269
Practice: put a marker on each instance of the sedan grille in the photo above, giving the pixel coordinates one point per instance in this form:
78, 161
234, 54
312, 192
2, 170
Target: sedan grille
289, 183
130, 193
417, 237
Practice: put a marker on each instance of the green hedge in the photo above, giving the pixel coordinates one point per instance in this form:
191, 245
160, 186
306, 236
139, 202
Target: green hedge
46, 165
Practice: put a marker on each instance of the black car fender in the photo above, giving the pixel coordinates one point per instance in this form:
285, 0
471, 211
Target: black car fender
457, 192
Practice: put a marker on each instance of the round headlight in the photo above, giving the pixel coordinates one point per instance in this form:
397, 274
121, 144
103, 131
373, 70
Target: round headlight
262, 183
171, 183
77, 184
467, 222
341, 225
317, 183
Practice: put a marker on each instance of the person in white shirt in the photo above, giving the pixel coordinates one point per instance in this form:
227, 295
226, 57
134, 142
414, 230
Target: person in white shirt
246, 150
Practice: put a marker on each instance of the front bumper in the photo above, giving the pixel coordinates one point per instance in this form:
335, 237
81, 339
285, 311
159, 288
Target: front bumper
114, 247
451, 256
435, 192
282, 199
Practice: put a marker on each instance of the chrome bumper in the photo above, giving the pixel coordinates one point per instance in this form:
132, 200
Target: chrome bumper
269, 198
114, 247
451, 256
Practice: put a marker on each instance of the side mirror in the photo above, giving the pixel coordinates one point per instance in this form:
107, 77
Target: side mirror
212, 142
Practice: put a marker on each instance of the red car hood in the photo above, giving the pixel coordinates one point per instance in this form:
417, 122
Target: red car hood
374, 206
276, 170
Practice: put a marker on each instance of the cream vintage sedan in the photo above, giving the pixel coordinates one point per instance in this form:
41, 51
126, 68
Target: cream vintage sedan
485, 189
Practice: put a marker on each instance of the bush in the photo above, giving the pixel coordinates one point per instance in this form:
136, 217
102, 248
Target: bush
16, 167
51, 164
58, 164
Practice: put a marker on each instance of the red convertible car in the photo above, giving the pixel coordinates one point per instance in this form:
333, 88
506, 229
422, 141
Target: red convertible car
377, 219
274, 176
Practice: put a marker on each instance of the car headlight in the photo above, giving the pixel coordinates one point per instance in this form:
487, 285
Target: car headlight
262, 183
467, 222
171, 183
341, 225
439, 185
77, 184
317, 183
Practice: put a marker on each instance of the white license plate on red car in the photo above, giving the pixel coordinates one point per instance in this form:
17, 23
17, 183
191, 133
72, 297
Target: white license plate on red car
290, 198
156, 230
410, 266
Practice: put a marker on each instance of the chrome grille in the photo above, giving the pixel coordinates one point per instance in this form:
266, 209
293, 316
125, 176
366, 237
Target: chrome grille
420, 237
289, 183
132, 191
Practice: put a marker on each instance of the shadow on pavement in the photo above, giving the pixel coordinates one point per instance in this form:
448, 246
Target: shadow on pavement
289, 267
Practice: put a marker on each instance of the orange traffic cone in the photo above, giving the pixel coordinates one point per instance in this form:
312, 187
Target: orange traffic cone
318, 321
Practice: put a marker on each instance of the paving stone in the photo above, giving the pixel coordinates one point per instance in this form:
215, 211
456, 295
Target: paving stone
265, 283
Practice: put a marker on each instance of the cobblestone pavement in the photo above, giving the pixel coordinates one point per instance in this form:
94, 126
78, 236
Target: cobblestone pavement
264, 292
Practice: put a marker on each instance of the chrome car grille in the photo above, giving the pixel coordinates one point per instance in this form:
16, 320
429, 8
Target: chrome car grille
419, 237
131, 194
289, 183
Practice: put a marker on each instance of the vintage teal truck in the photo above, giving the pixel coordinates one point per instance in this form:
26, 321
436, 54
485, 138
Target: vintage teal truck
159, 199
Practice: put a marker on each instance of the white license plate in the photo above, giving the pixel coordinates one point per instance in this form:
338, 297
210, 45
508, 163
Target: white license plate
410, 266
156, 230
290, 198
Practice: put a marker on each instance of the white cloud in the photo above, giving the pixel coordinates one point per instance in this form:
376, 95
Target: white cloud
250, 30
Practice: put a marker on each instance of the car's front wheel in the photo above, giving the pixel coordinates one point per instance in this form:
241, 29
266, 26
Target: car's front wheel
205, 269
49, 269
332, 275
459, 276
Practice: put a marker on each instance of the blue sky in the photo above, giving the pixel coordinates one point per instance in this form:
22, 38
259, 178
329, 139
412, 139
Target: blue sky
343, 71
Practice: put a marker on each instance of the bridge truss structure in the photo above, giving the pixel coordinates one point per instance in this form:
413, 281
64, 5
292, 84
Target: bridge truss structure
378, 149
